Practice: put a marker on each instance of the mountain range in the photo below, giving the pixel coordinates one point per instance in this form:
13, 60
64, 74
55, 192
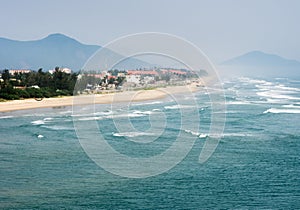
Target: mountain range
257, 63
63, 51
54, 50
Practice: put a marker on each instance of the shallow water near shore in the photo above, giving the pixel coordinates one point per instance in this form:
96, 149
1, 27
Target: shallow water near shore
256, 164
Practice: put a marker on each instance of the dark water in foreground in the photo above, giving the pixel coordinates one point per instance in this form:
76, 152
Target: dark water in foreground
256, 164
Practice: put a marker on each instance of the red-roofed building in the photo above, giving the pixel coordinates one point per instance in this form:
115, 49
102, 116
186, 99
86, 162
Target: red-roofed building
136, 72
173, 71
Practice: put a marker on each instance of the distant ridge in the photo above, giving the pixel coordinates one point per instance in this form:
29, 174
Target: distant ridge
258, 58
47, 53
257, 63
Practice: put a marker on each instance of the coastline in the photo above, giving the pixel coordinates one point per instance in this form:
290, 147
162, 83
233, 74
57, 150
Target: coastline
126, 96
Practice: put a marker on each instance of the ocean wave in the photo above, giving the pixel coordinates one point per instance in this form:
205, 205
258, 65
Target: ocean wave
205, 135
200, 135
38, 122
276, 95
42, 122
6, 117
125, 115
294, 106
132, 134
177, 106
142, 112
254, 81
103, 113
283, 111
237, 102
147, 103
57, 127
90, 118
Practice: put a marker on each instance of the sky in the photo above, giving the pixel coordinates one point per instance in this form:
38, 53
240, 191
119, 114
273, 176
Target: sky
222, 29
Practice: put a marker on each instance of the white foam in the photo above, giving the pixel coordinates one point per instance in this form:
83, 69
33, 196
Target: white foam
237, 134
142, 112
6, 117
56, 127
132, 134
125, 115
90, 118
40, 136
38, 122
237, 102
286, 111
148, 103
277, 95
254, 81
109, 112
200, 135
177, 106
294, 106
156, 110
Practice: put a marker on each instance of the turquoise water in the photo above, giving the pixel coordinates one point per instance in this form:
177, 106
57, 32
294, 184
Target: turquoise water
256, 164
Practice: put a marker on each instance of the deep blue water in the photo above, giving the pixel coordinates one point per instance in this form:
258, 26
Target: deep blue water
256, 164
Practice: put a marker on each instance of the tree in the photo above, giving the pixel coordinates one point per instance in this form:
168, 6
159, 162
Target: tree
5, 77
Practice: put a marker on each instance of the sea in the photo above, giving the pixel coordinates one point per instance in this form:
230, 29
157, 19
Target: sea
46, 162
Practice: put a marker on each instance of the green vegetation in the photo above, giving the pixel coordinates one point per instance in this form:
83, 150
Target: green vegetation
36, 84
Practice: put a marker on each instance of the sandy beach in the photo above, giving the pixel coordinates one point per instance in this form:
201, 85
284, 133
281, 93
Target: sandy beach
142, 95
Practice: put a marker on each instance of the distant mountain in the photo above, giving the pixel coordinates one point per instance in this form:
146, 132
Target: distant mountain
54, 50
258, 58
257, 63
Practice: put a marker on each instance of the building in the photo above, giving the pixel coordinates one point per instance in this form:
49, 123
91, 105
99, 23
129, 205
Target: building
173, 71
133, 78
144, 72
19, 71
65, 70
149, 79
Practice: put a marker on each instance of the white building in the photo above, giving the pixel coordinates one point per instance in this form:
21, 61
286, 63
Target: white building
65, 70
149, 79
16, 71
133, 78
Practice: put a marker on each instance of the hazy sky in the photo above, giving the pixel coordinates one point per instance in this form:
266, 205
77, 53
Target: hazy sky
221, 28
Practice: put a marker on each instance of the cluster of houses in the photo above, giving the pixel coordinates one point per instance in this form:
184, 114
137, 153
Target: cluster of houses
135, 79
129, 79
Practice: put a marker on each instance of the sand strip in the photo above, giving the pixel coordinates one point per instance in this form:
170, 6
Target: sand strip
127, 96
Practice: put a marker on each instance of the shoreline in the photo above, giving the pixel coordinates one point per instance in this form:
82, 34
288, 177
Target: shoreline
126, 96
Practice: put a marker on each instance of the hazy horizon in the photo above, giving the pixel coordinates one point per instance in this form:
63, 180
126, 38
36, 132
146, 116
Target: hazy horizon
221, 29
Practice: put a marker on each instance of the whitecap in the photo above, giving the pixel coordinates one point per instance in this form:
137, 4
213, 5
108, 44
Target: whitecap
200, 135
156, 110
177, 106
125, 115
38, 122
132, 134
6, 117
40, 136
56, 127
90, 118
294, 106
284, 111
142, 112
147, 103
277, 95
237, 102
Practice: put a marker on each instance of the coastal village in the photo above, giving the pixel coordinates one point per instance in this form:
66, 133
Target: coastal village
99, 82
115, 80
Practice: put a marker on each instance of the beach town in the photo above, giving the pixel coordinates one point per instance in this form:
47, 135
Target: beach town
27, 89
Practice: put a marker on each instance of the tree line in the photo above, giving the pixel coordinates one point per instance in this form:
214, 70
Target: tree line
36, 84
